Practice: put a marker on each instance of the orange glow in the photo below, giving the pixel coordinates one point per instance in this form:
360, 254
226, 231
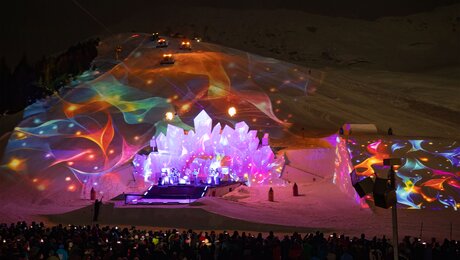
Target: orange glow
72, 108
71, 188
103, 137
424, 159
15, 164
435, 184
185, 107
167, 55
20, 135
367, 166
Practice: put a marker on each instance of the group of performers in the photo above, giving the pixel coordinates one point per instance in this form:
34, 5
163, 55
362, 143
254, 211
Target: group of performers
172, 176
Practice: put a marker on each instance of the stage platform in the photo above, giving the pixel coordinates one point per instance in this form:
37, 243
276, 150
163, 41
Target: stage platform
178, 194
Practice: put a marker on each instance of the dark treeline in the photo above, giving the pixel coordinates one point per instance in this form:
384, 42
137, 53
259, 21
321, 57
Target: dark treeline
27, 83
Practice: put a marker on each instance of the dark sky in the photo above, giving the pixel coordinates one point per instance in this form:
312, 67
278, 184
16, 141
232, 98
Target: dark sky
37, 28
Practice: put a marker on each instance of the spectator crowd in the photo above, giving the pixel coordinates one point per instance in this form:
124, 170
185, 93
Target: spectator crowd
36, 241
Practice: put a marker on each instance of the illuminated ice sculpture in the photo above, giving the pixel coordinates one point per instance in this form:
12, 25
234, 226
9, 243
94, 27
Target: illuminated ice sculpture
207, 154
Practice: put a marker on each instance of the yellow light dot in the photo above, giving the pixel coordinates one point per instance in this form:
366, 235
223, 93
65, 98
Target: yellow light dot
78, 133
72, 108
232, 111
20, 135
424, 159
149, 81
15, 164
140, 119
185, 107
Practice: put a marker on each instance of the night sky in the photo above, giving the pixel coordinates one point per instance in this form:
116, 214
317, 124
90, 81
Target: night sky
37, 28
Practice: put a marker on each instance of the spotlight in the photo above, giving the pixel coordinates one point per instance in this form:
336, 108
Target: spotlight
169, 116
232, 111
363, 186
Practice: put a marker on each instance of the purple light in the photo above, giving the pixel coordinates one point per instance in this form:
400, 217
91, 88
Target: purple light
208, 153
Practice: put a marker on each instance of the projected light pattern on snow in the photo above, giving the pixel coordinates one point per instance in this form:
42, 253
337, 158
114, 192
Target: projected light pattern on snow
342, 168
90, 135
429, 177
91, 129
206, 153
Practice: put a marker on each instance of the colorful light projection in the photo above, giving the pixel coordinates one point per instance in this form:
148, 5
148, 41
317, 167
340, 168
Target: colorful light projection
234, 154
342, 168
89, 130
429, 177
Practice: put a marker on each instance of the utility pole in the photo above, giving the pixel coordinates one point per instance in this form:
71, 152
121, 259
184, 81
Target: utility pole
394, 213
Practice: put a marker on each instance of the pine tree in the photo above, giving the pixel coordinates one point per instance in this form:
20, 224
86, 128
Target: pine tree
5, 85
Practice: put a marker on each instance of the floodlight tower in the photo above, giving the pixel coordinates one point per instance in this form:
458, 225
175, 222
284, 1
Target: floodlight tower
384, 192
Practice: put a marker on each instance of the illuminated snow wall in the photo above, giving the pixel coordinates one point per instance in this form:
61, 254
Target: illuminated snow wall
342, 168
82, 136
234, 151
429, 177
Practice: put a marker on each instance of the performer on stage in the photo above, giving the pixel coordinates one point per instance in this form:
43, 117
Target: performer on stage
195, 176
